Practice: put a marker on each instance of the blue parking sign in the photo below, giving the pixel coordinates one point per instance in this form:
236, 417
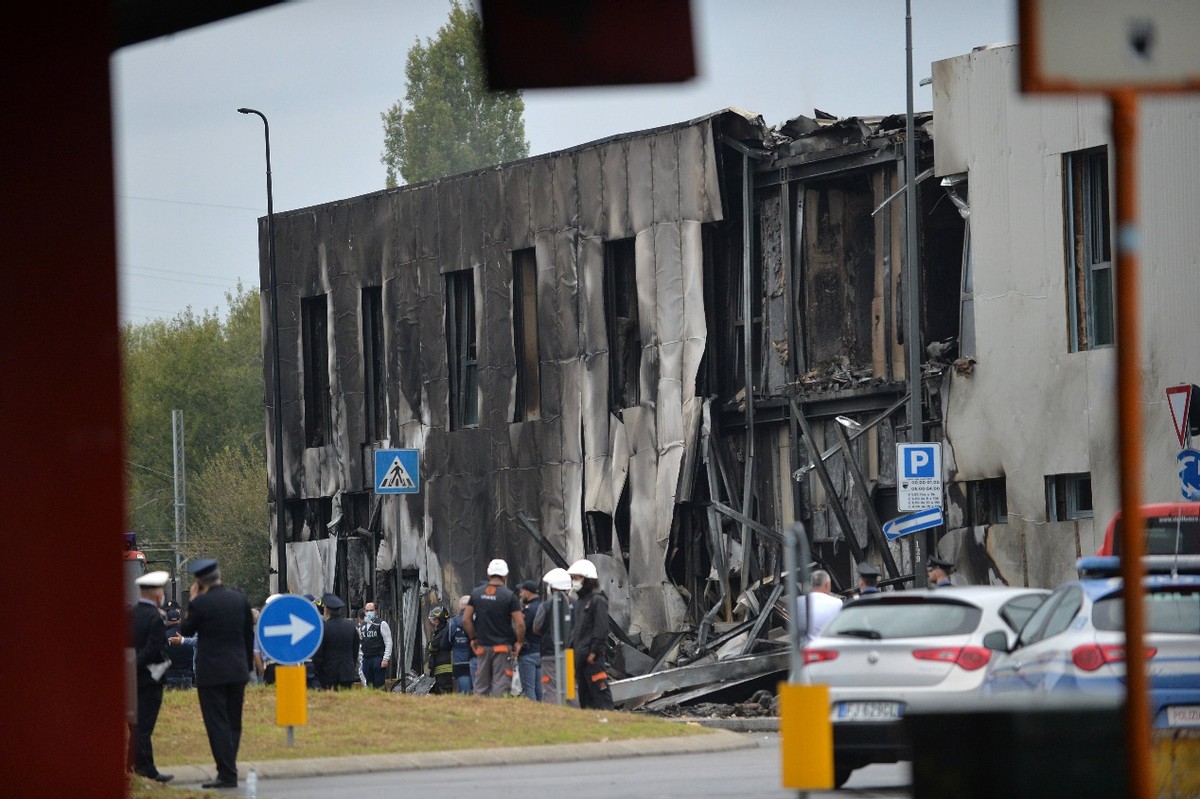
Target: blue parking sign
919, 476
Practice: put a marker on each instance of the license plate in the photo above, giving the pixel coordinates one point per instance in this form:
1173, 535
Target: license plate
867, 711
1183, 716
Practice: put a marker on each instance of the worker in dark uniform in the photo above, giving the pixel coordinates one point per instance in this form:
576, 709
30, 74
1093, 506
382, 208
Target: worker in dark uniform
220, 619
495, 624
441, 651
558, 602
150, 647
336, 662
939, 572
529, 664
589, 637
375, 646
868, 579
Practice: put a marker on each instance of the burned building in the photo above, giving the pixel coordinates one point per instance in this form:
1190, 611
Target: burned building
634, 350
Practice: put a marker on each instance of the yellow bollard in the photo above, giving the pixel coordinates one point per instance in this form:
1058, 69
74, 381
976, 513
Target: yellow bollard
805, 736
291, 705
569, 657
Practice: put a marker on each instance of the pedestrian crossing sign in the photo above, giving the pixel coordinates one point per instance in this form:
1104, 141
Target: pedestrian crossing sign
397, 471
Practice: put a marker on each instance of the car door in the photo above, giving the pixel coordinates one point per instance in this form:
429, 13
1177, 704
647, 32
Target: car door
1015, 670
1043, 660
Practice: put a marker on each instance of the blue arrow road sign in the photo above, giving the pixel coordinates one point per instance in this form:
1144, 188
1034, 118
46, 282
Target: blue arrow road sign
912, 523
290, 629
397, 471
1189, 473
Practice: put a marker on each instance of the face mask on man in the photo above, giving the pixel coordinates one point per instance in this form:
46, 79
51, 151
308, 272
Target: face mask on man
370, 615
577, 583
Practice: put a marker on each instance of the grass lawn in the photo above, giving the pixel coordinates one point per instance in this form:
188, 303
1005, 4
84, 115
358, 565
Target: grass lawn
361, 722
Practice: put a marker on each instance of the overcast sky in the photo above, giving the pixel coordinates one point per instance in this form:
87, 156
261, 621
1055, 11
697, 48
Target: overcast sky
191, 177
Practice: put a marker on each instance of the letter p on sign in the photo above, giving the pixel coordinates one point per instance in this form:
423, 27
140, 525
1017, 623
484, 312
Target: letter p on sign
920, 462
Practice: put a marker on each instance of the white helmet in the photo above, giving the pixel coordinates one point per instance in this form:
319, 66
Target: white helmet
583, 568
497, 568
558, 579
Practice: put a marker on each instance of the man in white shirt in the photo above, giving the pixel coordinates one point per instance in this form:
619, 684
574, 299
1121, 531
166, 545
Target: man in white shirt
824, 605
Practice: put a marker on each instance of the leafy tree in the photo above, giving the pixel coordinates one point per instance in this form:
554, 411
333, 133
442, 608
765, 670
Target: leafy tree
210, 367
451, 122
231, 523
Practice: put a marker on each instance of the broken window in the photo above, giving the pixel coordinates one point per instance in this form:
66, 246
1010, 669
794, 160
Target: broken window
314, 320
1068, 496
987, 502
624, 329
738, 311
461, 348
374, 379
1089, 251
525, 335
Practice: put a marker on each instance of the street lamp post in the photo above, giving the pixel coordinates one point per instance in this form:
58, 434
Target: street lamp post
277, 391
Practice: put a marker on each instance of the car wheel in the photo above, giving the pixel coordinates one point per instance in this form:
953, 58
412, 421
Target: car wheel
841, 773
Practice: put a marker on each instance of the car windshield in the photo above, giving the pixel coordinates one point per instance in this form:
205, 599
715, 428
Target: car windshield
919, 619
1167, 611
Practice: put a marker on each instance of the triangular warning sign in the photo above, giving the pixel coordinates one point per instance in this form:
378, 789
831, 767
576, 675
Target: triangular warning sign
397, 476
1179, 400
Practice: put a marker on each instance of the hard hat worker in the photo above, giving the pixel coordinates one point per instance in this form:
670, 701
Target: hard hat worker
495, 624
589, 636
150, 649
559, 583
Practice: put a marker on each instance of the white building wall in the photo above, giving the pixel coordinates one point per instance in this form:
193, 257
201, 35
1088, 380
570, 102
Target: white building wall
1031, 408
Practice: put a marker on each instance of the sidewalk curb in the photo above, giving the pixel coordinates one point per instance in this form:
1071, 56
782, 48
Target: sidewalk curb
738, 724
718, 740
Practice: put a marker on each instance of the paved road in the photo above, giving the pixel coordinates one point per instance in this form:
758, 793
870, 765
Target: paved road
748, 772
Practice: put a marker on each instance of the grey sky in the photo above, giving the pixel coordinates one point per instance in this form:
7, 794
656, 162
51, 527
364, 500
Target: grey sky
190, 169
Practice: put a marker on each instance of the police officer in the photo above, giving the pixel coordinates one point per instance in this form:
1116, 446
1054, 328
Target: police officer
939, 572
589, 636
220, 619
336, 662
376, 646
150, 646
868, 579
496, 626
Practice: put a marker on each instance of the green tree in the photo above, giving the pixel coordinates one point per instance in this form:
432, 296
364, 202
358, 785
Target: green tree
210, 367
231, 520
449, 122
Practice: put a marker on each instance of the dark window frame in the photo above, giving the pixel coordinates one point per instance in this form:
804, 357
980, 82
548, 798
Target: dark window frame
987, 501
374, 365
1069, 497
1091, 300
318, 412
622, 324
462, 349
526, 343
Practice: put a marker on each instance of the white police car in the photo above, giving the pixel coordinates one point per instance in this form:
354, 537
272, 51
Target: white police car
1075, 642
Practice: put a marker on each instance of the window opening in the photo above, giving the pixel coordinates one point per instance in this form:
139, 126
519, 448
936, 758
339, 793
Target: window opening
1089, 250
314, 319
374, 374
1068, 496
987, 502
461, 348
525, 336
623, 323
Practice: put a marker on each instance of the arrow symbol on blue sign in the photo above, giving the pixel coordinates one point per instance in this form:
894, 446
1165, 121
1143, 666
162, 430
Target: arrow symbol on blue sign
912, 523
296, 627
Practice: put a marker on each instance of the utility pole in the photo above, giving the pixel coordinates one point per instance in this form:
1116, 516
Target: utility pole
180, 494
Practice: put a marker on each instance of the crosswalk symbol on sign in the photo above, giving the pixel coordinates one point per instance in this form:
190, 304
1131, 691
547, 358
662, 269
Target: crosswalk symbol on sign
397, 477
397, 471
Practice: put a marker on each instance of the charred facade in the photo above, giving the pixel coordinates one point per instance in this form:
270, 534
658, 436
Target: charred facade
638, 347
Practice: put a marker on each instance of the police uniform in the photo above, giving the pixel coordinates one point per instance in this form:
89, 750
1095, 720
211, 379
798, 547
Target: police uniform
150, 648
866, 570
221, 620
946, 566
375, 646
336, 662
